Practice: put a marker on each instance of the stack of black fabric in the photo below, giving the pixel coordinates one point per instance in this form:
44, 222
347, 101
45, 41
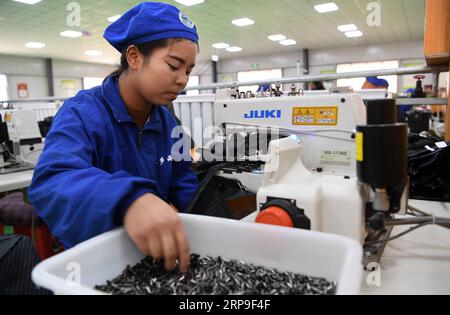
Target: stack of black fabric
429, 168
215, 193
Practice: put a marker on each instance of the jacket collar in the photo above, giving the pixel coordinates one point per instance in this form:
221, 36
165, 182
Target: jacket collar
111, 94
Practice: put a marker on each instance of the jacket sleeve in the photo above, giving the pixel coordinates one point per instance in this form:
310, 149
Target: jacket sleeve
184, 180
77, 200
184, 185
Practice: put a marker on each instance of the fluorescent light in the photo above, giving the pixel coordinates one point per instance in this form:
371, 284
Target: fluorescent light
277, 37
93, 53
326, 7
215, 58
28, 1
288, 42
71, 34
234, 49
243, 22
221, 45
114, 18
35, 45
347, 28
189, 3
354, 34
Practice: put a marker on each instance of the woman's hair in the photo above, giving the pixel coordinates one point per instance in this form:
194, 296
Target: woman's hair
318, 85
146, 49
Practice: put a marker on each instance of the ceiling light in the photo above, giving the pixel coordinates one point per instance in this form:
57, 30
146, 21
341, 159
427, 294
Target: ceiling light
35, 45
326, 7
354, 34
28, 1
243, 22
277, 37
221, 45
114, 18
234, 49
189, 3
71, 34
347, 28
93, 53
288, 42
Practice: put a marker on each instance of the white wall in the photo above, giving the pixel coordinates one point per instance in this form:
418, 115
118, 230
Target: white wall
16, 65
326, 59
286, 60
34, 69
37, 86
33, 72
61, 89
393, 51
64, 68
24, 70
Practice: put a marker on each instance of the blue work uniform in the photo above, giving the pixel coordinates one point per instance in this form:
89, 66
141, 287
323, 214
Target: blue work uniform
97, 162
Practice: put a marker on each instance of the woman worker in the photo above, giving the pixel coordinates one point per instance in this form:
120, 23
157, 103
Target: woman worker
109, 159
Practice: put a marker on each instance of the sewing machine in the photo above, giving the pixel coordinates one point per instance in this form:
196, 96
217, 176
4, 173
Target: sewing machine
20, 141
324, 165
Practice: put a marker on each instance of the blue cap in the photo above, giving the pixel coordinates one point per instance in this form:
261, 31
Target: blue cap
263, 88
147, 22
378, 82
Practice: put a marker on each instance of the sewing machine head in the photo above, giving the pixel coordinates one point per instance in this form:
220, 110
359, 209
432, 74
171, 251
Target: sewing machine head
324, 123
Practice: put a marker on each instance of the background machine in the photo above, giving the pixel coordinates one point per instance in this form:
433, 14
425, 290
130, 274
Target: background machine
20, 141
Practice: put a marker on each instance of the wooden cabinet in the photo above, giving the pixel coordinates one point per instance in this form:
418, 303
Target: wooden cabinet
437, 32
437, 41
447, 120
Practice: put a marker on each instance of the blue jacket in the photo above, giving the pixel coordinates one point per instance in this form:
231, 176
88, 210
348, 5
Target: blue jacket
97, 162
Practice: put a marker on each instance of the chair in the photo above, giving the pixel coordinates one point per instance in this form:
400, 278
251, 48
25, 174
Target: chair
14, 211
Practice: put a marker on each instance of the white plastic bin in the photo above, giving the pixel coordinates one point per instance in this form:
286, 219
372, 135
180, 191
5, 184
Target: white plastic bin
336, 258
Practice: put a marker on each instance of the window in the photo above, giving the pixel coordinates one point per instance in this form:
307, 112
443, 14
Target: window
258, 75
90, 82
193, 81
357, 83
3, 88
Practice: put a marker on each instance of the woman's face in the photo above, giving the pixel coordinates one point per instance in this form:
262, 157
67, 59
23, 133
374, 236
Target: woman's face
165, 73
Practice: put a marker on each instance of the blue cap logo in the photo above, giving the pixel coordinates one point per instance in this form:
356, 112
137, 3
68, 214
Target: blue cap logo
186, 20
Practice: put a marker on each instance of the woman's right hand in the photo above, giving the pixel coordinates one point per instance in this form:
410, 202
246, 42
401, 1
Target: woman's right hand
157, 231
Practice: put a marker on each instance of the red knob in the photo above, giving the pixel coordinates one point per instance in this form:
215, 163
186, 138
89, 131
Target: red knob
275, 216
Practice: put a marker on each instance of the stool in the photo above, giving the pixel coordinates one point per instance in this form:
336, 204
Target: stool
23, 217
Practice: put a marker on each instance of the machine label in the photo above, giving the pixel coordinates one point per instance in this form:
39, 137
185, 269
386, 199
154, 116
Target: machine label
339, 156
315, 116
263, 114
359, 147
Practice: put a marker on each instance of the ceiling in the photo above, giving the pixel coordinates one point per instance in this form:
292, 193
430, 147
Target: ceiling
401, 20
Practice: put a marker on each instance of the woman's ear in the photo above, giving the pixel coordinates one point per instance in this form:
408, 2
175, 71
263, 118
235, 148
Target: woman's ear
134, 58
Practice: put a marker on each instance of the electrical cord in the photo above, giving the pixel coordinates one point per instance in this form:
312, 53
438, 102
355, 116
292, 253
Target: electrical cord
420, 218
443, 222
399, 235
